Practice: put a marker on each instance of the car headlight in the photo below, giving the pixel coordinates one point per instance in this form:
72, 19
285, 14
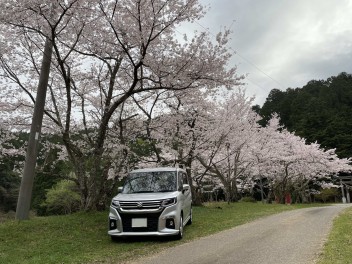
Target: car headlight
115, 203
169, 202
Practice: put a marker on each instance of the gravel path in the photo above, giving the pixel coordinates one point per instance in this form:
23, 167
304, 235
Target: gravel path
293, 237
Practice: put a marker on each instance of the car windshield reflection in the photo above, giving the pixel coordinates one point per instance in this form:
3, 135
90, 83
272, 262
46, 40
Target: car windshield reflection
147, 182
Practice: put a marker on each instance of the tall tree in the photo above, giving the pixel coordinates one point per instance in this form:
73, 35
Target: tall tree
292, 160
105, 52
226, 156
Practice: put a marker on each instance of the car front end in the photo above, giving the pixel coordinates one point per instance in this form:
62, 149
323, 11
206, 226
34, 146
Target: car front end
144, 215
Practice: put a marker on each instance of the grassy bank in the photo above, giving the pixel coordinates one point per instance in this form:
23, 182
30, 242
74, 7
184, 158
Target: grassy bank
82, 237
338, 248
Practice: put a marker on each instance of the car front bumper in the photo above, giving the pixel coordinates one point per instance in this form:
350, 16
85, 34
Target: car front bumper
158, 223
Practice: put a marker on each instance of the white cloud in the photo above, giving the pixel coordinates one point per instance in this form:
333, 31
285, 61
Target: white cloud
285, 43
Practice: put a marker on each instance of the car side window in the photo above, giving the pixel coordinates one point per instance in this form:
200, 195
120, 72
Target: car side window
180, 184
184, 178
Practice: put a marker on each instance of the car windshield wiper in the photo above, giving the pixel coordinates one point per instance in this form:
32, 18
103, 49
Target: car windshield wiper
167, 191
143, 192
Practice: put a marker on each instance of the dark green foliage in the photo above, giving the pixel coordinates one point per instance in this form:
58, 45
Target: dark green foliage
327, 195
48, 172
320, 111
44, 180
9, 186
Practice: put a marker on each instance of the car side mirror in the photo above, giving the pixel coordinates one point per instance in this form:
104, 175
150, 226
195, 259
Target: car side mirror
185, 188
119, 189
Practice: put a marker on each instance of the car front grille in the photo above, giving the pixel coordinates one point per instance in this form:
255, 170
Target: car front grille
135, 205
152, 222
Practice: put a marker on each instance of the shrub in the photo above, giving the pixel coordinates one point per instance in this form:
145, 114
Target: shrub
62, 198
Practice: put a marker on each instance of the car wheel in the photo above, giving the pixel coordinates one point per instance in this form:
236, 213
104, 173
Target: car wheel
180, 233
190, 221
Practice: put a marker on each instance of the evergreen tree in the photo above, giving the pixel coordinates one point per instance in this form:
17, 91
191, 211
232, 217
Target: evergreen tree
320, 111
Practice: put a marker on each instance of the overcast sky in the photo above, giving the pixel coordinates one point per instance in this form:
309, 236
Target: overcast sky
284, 43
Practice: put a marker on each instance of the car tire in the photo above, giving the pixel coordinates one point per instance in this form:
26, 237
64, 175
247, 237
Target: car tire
180, 233
190, 221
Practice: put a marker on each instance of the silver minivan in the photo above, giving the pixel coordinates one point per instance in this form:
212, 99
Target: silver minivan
152, 202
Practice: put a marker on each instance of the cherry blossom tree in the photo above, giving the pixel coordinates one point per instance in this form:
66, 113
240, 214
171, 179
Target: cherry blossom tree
181, 132
288, 161
122, 76
226, 155
231, 146
263, 150
108, 55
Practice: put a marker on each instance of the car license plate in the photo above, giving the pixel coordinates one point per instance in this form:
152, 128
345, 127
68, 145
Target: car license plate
139, 222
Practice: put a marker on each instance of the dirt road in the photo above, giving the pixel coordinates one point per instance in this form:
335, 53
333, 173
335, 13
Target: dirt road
294, 237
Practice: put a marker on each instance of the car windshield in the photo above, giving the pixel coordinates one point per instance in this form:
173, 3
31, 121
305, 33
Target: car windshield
145, 182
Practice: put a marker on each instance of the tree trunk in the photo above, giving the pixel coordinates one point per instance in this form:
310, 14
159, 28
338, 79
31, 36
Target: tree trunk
25, 194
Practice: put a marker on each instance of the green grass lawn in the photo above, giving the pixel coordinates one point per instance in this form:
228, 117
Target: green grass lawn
82, 237
338, 248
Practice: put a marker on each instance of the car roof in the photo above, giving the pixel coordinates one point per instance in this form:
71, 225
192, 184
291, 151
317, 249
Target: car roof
157, 169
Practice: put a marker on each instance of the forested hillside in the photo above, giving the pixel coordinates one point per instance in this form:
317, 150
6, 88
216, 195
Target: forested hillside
320, 111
